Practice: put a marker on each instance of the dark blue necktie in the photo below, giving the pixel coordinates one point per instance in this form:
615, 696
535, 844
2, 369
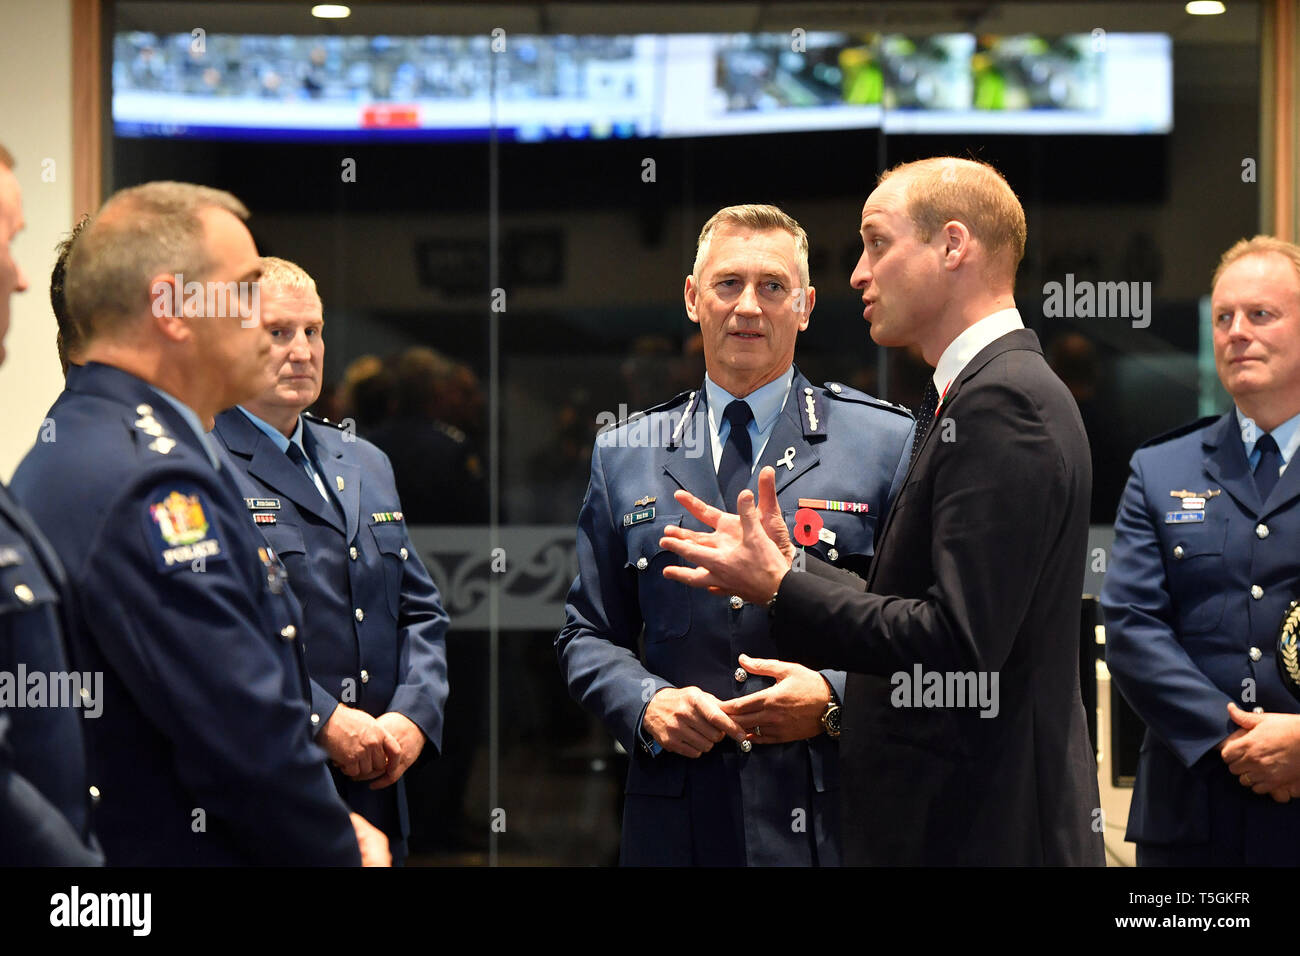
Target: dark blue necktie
924, 417
738, 454
1270, 460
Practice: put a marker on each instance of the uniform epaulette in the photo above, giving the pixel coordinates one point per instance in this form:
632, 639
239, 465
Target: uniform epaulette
673, 402
311, 416
843, 392
1180, 431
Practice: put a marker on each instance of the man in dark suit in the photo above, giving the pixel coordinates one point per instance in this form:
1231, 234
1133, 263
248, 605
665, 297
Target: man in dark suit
202, 755
768, 795
965, 739
44, 794
1203, 571
325, 500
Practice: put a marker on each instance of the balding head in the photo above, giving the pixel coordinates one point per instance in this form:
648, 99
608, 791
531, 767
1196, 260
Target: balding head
12, 278
139, 233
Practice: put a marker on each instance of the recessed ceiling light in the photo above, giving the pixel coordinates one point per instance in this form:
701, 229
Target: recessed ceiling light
332, 11
1205, 8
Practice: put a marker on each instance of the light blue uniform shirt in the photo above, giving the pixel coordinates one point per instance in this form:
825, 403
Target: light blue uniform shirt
766, 404
1287, 436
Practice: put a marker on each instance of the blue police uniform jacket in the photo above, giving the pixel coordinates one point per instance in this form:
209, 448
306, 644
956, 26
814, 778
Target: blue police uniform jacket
780, 800
1193, 600
44, 793
374, 625
203, 752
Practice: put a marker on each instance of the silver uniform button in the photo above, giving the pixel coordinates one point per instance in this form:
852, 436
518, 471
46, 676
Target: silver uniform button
741, 674
1256, 653
288, 632
1261, 531
835, 387
833, 554
736, 602
315, 719
365, 677
85, 693
642, 564
24, 593
360, 614
746, 746
94, 794
352, 552
1256, 591
405, 554
1178, 551
1257, 710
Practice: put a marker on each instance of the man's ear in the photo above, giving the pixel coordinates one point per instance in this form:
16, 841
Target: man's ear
690, 294
957, 243
167, 303
809, 300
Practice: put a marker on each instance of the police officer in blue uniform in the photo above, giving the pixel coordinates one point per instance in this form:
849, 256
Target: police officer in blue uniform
709, 785
44, 793
202, 754
1202, 572
326, 501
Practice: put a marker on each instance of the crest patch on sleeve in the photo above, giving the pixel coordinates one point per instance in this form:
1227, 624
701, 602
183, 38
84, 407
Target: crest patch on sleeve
178, 528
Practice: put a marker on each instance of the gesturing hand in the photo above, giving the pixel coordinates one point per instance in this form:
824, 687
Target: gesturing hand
747, 553
688, 721
791, 709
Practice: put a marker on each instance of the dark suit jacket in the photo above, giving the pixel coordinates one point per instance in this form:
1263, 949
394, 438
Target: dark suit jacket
978, 571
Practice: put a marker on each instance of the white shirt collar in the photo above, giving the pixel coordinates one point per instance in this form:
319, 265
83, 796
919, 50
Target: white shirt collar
971, 342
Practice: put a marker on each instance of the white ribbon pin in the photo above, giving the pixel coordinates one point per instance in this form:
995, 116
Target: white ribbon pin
788, 460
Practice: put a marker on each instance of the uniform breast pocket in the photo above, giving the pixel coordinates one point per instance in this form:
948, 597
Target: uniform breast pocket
847, 539
390, 538
287, 543
665, 605
23, 585
1194, 557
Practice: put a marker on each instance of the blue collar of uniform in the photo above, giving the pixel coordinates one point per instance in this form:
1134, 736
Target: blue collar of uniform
765, 402
1287, 435
273, 433
192, 420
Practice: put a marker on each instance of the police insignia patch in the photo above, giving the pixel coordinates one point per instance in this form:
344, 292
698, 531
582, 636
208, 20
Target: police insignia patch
179, 528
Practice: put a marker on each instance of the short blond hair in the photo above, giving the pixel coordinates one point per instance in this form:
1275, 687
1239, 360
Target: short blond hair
760, 218
946, 188
140, 232
286, 276
1258, 246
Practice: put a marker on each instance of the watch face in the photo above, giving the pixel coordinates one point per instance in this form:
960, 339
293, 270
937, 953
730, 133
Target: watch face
833, 720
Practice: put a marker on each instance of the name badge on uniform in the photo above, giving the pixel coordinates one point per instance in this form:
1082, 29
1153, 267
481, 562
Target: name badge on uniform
1180, 517
638, 517
262, 504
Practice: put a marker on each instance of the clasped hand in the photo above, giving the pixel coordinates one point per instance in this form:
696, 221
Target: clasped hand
1264, 752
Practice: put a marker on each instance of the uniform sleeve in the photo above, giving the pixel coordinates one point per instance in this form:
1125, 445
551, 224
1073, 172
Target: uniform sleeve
597, 647
191, 641
972, 612
1148, 663
421, 691
32, 830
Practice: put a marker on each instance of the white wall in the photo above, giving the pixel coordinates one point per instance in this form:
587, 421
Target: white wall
36, 125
